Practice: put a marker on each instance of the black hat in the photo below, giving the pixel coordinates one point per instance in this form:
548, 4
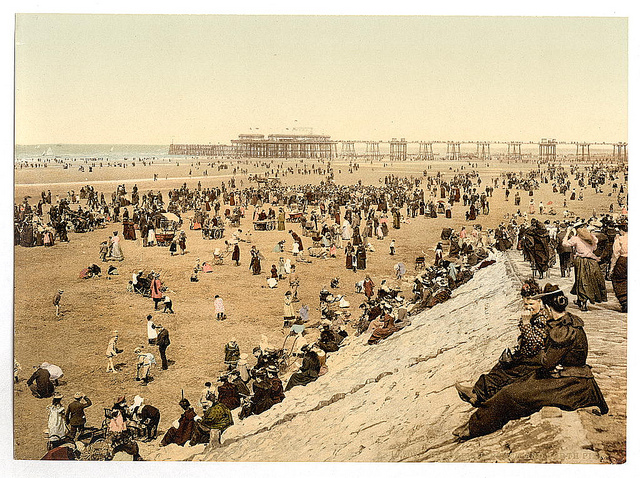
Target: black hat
530, 288
549, 289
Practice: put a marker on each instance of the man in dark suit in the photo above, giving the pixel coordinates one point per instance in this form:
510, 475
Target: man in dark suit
75, 416
43, 386
163, 342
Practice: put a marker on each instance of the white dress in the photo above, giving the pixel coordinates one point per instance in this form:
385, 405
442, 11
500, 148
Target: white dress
151, 331
347, 231
56, 425
116, 250
151, 236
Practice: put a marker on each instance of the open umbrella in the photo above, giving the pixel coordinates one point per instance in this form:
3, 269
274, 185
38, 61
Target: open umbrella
54, 370
170, 216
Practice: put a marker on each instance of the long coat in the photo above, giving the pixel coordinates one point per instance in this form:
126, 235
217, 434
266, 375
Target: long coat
42, 378
568, 387
156, 289
368, 288
309, 371
228, 394
182, 434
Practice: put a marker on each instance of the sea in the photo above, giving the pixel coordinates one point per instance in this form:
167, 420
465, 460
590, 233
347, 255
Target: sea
100, 152
160, 152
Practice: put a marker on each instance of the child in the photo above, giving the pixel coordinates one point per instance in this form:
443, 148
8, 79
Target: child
104, 250
168, 305
218, 304
112, 351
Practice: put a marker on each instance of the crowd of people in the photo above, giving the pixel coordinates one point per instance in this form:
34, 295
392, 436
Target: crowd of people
350, 220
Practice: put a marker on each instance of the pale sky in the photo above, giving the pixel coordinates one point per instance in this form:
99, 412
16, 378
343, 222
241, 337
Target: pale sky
154, 79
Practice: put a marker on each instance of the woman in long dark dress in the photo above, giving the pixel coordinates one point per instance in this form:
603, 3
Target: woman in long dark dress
348, 253
589, 282
563, 380
255, 261
361, 255
128, 231
309, 371
539, 252
525, 358
235, 256
619, 267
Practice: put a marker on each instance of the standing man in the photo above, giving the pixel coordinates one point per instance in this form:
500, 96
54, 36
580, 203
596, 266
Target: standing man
56, 301
163, 342
75, 416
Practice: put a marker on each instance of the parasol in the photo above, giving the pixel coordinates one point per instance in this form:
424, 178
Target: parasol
54, 370
170, 216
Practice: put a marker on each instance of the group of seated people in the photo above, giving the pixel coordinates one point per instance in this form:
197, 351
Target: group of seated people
138, 416
252, 390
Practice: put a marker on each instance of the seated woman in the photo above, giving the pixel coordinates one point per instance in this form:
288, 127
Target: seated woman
309, 370
180, 432
216, 419
524, 360
329, 341
563, 378
388, 328
119, 416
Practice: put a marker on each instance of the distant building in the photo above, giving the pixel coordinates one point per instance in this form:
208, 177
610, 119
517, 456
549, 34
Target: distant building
293, 145
285, 146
